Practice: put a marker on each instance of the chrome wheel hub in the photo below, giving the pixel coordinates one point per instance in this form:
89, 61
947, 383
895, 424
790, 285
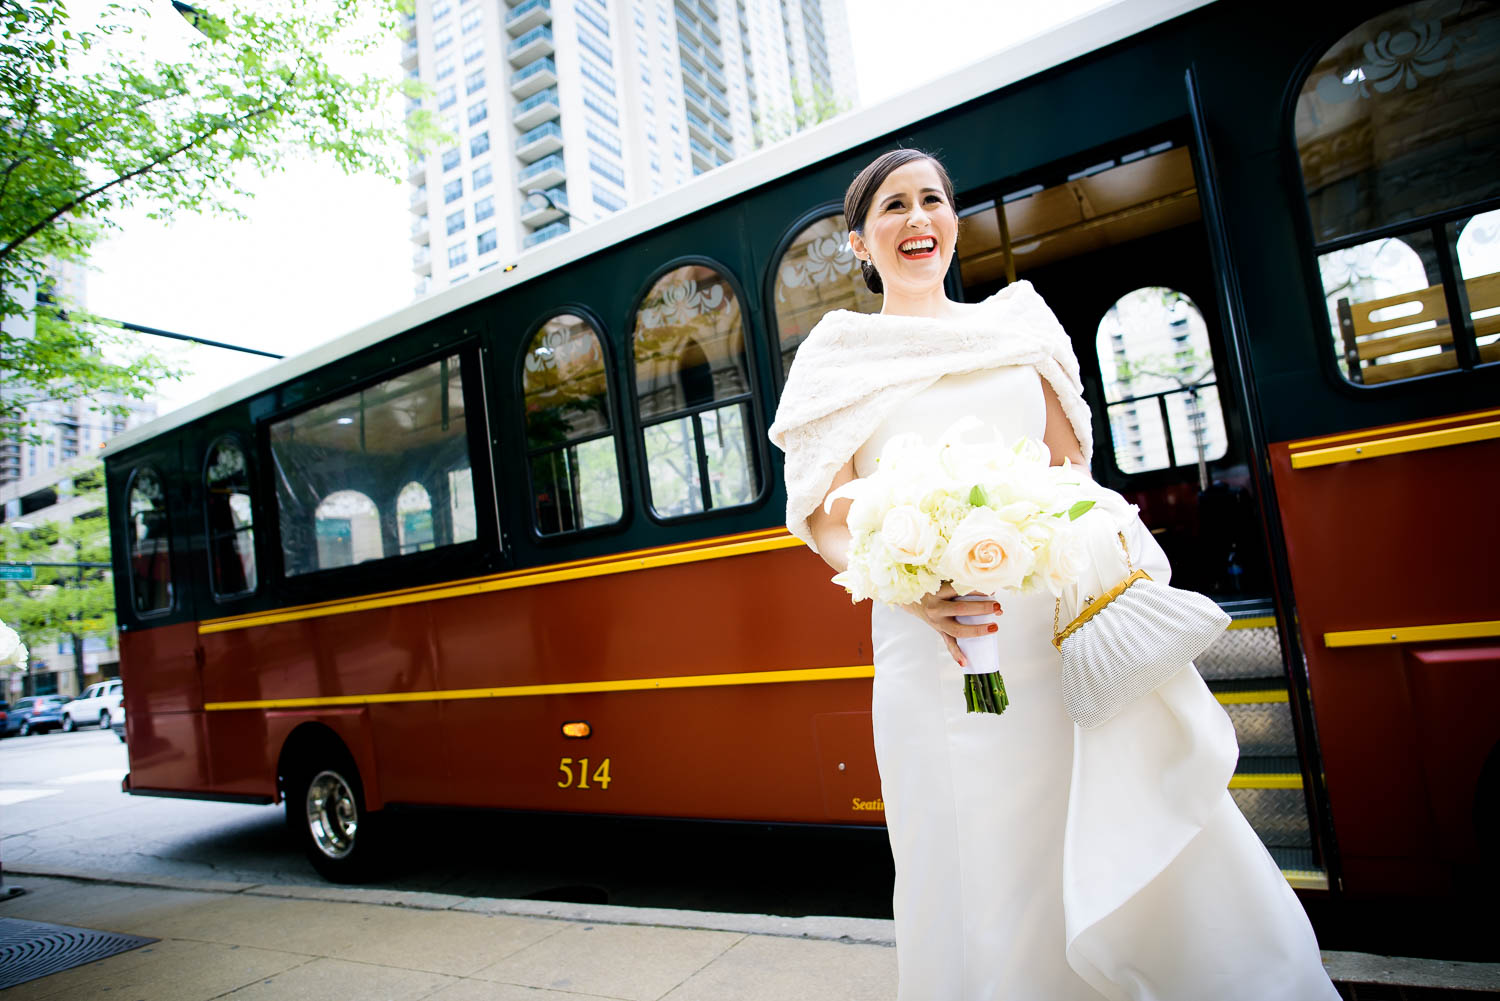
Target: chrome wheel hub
331, 815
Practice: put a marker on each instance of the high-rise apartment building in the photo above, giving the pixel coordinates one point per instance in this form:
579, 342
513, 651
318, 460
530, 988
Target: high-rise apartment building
66, 429
569, 110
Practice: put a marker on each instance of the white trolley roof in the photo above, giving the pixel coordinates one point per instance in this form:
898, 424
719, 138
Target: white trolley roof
1024, 58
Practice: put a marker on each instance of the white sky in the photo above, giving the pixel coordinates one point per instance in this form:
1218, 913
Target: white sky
324, 253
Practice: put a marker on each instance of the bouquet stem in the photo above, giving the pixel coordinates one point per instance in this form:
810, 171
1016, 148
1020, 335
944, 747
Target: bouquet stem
984, 691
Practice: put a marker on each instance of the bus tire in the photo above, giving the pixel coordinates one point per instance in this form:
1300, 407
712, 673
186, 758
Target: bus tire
325, 808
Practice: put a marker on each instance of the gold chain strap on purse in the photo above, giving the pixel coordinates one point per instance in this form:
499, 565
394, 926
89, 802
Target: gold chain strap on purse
1092, 606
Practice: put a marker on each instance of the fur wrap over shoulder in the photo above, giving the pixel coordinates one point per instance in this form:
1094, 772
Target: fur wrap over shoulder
855, 368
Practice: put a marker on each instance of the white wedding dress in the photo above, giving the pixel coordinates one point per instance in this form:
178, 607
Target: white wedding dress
1038, 862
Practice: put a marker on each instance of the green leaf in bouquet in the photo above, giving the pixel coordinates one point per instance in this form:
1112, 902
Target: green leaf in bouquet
1077, 510
977, 497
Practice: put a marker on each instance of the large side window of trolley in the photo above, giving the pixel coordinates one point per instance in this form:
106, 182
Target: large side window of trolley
815, 272
149, 538
380, 473
572, 450
693, 392
1395, 132
229, 519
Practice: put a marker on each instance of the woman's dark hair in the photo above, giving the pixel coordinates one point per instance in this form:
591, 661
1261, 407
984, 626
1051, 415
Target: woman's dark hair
861, 194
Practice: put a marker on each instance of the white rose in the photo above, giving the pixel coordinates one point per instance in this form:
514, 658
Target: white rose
909, 534
12, 651
986, 554
1067, 559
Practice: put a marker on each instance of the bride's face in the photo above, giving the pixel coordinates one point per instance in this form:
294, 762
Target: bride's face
910, 211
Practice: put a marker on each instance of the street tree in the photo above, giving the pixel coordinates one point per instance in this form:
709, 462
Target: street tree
76, 603
91, 125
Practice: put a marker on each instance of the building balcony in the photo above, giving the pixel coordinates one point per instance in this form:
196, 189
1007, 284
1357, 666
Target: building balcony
536, 109
545, 233
695, 80
687, 10
545, 173
535, 44
708, 23
698, 128
535, 212
417, 170
420, 289
525, 16
689, 53
717, 101
533, 77
420, 230
409, 53
421, 261
419, 200
539, 142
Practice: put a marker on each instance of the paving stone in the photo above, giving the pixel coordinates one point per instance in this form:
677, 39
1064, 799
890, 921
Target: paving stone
619, 961
101, 906
775, 969
434, 941
322, 979
165, 971
483, 990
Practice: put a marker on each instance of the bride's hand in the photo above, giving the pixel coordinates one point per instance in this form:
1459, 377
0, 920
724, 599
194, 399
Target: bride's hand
938, 611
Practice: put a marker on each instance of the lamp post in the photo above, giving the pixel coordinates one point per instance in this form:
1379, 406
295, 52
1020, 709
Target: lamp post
547, 197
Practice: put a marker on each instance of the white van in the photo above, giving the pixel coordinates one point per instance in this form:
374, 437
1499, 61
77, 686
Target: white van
97, 703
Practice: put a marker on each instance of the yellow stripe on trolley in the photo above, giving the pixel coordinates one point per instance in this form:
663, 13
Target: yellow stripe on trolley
1350, 435
1250, 780
1254, 622
1306, 879
562, 688
646, 559
1414, 634
1250, 698
1374, 448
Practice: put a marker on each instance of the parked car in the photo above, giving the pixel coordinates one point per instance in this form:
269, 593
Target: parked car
34, 714
4, 715
94, 706
117, 723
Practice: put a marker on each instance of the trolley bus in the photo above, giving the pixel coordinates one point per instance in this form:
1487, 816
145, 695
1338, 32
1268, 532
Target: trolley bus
521, 544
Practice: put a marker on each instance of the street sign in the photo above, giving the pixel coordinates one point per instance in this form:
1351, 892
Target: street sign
17, 573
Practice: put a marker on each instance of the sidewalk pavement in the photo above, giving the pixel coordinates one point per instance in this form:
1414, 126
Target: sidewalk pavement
254, 941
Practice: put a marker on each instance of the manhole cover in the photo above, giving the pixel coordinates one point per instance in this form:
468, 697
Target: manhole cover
32, 949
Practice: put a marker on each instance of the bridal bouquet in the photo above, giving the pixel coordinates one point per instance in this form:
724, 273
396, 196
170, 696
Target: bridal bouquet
976, 511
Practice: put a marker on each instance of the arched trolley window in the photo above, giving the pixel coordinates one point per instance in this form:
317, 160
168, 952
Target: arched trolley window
150, 543
817, 272
570, 439
693, 395
1158, 375
376, 474
231, 520
1397, 133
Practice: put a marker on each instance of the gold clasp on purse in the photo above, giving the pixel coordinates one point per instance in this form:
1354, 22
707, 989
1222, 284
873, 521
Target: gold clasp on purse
1092, 607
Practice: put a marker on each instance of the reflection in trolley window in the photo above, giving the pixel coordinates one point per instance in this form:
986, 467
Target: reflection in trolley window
231, 532
570, 442
817, 273
1158, 375
693, 393
150, 544
377, 473
1386, 128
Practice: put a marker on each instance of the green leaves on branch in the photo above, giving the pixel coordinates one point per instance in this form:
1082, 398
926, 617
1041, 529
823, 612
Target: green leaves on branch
95, 125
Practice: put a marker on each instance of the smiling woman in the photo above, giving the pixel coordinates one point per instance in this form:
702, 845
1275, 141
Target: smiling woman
903, 227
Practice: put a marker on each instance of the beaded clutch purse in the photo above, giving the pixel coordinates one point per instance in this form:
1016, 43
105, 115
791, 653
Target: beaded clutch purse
1129, 641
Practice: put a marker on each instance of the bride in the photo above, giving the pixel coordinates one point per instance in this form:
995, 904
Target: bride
1035, 861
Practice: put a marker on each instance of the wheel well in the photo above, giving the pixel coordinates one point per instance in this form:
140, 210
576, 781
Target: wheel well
307, 741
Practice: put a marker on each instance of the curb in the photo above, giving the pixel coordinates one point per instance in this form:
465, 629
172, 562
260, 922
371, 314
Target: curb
1344, 967
864, 931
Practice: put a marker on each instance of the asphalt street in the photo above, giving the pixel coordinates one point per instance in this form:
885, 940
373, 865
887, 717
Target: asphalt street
61, 810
